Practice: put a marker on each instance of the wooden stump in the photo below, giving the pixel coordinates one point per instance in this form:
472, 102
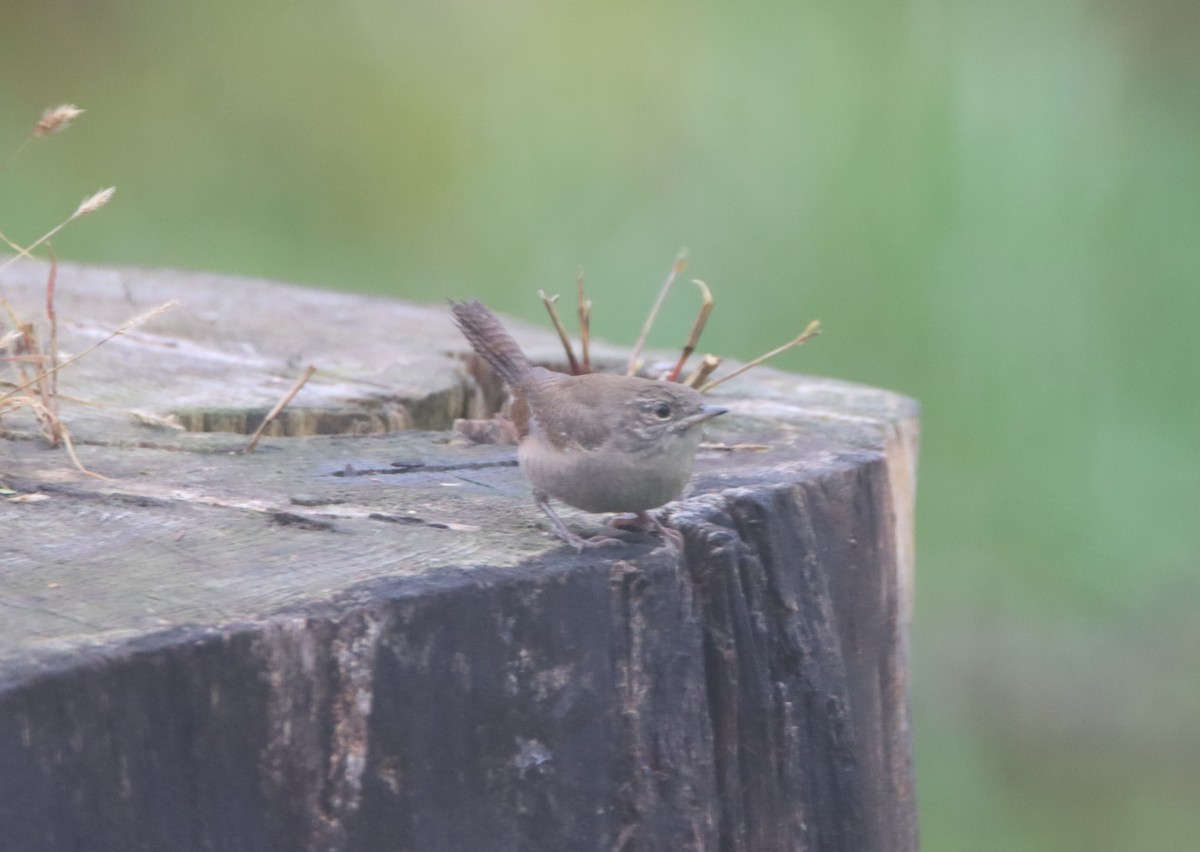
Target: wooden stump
365, 639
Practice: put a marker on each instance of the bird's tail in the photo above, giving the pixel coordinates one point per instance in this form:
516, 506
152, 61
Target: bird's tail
491, 341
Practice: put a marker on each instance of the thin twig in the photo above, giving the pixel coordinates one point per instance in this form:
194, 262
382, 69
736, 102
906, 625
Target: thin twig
279, 406
131, 324
46, 389
89, 205
814, 328
706, 306
52, 320
4, 238
69, 446
59, 432
13, 155
549, 301
585, 324
47, 417
676, 269
708, 364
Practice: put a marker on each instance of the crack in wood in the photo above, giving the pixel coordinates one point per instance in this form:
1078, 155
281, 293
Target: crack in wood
420, 467
304, 522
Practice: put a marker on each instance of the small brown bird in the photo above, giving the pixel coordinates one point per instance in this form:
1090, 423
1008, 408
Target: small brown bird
598, 442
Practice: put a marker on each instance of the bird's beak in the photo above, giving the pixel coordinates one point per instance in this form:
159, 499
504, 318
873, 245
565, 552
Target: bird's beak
706, 412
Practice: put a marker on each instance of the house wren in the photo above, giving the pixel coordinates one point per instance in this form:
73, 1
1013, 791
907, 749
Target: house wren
598, 442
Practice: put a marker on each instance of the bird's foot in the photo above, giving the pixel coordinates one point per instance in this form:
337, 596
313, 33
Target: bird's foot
644, 521
673, 537
580, 543
639, 522
560, 529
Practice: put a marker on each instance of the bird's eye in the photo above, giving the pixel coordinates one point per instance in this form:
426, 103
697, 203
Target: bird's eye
662, 411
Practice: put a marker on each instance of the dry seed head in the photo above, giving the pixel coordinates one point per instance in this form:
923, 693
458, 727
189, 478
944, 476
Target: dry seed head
94, 203
56, 119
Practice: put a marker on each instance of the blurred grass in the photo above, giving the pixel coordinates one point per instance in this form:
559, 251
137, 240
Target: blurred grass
993, 208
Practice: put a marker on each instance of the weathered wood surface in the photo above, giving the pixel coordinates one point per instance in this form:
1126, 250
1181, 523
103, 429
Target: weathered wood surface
369, 641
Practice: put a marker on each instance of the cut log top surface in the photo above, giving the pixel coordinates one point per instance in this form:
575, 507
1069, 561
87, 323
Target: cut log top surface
185, 529
361, 636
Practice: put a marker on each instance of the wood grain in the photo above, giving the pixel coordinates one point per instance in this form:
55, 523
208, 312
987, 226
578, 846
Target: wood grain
362, 637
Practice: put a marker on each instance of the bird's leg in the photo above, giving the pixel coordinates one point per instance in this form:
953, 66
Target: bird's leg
670, 536
560, 529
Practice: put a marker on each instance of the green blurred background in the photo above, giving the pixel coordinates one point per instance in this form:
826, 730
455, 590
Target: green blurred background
994, 208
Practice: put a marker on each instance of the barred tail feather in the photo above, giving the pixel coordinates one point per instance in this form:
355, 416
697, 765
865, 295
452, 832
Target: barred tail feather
491, 341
